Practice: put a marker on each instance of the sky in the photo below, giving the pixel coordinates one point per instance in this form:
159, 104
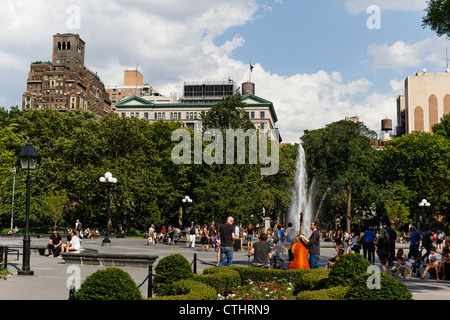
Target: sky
316, 61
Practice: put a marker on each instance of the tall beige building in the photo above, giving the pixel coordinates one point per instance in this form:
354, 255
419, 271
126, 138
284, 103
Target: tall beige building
425, 102
65, 84
133, 84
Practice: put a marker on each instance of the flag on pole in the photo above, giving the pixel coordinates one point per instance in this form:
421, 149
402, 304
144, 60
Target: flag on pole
251, 68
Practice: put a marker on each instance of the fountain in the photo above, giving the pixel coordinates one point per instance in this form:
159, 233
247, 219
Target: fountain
302, 197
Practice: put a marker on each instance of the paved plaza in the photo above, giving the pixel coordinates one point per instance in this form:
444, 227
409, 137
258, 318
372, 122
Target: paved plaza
52, 276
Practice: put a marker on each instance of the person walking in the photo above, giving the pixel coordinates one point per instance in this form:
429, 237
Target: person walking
192, 231
368, 245
250, 234
204, 240
383, 249
415, 241
226, 235
211, 235
392, 239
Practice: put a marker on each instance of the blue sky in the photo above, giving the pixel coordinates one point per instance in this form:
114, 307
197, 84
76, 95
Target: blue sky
317, 61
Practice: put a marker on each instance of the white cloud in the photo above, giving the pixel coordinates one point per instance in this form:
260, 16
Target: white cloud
360, 6
173, 41
400, 54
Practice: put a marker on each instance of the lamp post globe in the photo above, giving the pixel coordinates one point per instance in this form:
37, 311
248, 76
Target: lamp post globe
29, 161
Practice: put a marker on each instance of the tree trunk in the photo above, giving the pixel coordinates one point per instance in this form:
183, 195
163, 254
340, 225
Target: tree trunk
349, 208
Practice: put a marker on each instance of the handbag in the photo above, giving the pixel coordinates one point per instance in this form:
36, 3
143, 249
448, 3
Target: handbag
277, 238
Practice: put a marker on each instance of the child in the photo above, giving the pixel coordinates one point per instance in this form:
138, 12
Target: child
399, 264
216, 243
409, 262
433, 262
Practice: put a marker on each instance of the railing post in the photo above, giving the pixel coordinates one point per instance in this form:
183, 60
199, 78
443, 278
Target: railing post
195, 263
150, 282
6, 257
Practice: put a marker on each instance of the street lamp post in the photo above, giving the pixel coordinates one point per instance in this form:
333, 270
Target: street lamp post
424, 204
108, 181
14, 171
29, 160
186, 201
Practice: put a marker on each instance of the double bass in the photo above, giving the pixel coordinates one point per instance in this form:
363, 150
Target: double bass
300, 250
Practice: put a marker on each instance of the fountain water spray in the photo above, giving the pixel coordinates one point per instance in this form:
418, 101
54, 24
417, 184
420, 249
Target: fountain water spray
303, 197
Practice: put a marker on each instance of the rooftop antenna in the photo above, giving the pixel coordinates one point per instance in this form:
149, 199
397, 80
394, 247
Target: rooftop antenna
446, 61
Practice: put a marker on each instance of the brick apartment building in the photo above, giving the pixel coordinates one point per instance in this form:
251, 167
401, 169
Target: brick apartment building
65, 84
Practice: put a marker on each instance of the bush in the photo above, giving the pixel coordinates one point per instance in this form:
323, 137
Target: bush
189, 290
169, 270
109, 284
268, 275
313, 279
390, 288
346, 269
334, 293
223, 280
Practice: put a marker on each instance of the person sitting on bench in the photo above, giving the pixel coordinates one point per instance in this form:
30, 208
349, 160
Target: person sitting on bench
261, 252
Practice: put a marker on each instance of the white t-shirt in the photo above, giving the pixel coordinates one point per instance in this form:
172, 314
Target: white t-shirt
75, 242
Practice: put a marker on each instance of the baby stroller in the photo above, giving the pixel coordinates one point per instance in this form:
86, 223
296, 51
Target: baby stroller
415, 267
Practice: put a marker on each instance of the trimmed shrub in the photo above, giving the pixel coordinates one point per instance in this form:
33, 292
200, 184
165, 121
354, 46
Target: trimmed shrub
170, 269
109, 284
313, 279
268, 275
223, 280
346, 269
189, 290
390, 288
334, 293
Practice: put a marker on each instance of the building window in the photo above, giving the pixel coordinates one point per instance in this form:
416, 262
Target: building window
252, 115
262, 114
171, 116
179, 115
137, 114
175, 115
192, 115
123, 114
132, 114
262, 126
164, 115
146, 115
159, 115
156, 116
195, 115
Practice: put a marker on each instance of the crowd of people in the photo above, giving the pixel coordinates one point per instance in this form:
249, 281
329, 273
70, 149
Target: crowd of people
430, 248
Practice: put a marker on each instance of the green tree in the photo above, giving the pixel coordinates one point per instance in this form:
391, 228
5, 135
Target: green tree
438, 17
443, 127
420, 161
397, 213
54, 203
341, 156
228, 114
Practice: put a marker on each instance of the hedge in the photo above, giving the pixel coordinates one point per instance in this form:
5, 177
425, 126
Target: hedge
334, 293
223, 280
189, 289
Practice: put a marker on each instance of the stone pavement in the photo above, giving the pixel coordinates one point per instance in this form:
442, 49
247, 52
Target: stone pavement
52, 277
